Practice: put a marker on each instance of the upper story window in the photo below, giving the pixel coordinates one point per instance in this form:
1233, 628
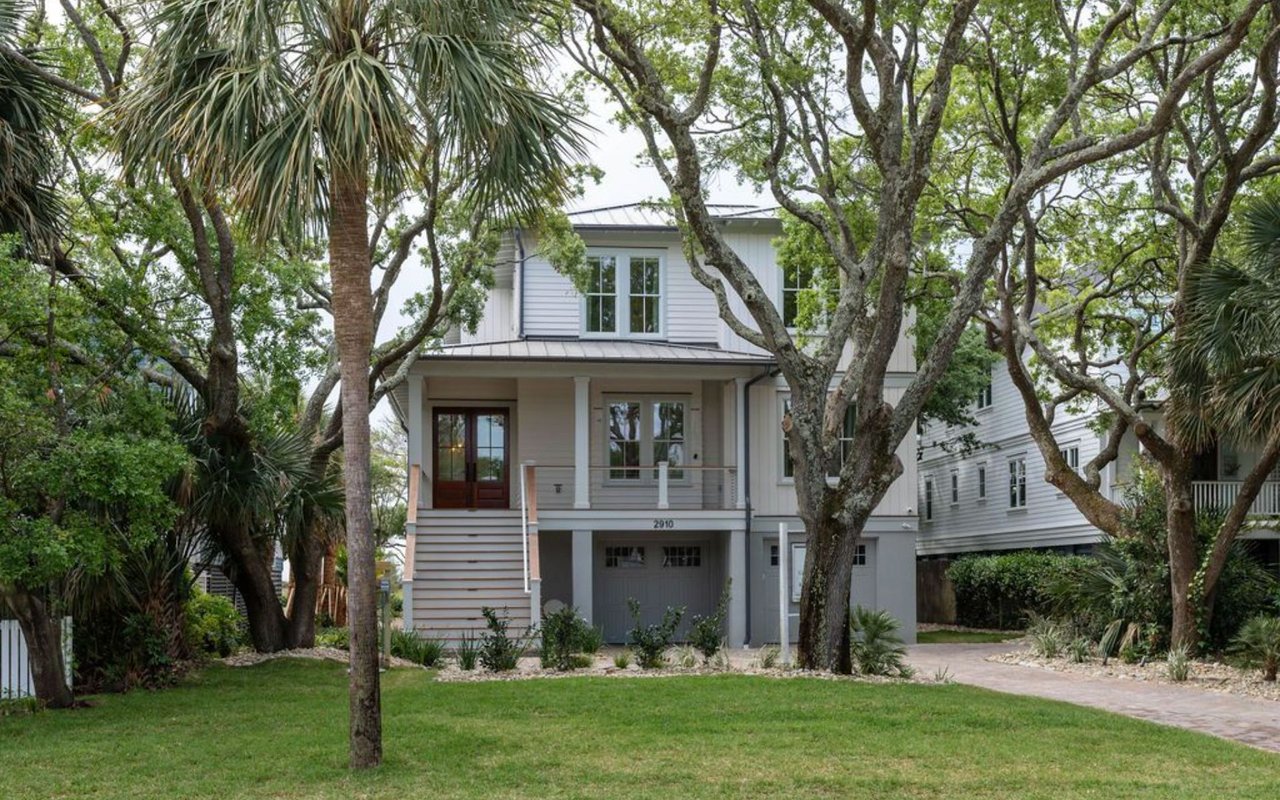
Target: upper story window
982, 481
802, 284
642, 432
955, 487
796, 278
1071, 455
842, 454
928, 498
624, 295
1018, 483
984, 394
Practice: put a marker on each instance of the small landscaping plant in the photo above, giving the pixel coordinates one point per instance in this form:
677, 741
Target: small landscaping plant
768, 658
1258, 645
1046, 637
412, 646
213, 624
467, 652
1078, 650
499, 651
567, 639
874, 643
1178, 664
622, 660
686, 657
706, 634
650, 642
339, 638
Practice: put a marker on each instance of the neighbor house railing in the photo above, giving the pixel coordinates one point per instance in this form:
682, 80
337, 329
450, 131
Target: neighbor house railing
1222, 495
15, 664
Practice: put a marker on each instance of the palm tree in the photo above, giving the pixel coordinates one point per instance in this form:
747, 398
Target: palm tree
29, 207
1227, 366
309, 110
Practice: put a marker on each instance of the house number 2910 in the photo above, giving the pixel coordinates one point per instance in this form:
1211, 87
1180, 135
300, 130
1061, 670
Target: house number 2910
663, 524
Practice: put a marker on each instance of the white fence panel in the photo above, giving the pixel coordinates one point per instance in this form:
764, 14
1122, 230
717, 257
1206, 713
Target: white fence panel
15, 666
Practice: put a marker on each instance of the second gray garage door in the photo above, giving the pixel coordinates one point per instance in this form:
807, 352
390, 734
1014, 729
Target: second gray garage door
657, 572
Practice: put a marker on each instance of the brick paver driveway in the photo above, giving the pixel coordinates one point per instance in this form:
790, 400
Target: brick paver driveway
1244, 719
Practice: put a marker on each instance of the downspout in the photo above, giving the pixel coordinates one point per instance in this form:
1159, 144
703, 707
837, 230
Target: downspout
746, 476
520, 299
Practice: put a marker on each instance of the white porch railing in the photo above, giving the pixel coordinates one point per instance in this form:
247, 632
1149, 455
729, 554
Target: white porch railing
529, 546
1222, 494
657, 487
15, 665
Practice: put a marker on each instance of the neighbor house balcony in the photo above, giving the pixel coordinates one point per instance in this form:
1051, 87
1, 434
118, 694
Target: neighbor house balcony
1221, 495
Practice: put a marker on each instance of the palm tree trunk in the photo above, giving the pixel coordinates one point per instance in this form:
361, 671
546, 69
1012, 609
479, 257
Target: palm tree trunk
349, 273
43, 633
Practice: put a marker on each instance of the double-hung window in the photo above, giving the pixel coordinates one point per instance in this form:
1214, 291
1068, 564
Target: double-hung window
928, 498
644, 431
1018, 483
985, 394
845, 449
955, 487
982, 481
623, 296
1071, 455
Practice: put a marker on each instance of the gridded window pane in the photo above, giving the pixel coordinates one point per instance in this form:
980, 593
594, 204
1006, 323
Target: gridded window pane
928, 498
982, 483
491, 447
624, 440
1018, 483
451, 447
1072, 456
796, 278
773, 555
859, 555
683, 556
669, 436
645, 295
788, 466
955, 487
602, 294
624, 557
984, 394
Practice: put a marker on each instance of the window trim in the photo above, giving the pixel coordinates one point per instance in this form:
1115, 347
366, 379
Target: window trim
784, 399
983, 479
622, 293
648, 474
926, 510
1021, 476
986, 393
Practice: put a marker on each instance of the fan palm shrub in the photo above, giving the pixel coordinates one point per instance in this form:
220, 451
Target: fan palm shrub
1258, 645
875, 646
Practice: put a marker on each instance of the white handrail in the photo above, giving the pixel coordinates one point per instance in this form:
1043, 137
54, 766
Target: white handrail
524, 524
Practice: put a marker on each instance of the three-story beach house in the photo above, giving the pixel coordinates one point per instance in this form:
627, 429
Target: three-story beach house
583, 449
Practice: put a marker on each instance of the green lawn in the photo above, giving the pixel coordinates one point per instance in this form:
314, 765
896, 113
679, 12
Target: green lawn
278, 731
966, 637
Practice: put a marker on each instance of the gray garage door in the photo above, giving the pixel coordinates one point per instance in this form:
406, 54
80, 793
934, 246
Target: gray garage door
657, 573
864, 588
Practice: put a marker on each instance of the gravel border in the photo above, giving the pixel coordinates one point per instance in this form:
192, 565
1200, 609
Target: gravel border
250, 658
1206, 676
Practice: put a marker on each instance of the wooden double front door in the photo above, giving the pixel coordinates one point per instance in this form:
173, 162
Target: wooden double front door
471, 458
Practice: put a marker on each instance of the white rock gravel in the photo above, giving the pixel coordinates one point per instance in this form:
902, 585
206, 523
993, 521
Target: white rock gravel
250, 658
1207, 676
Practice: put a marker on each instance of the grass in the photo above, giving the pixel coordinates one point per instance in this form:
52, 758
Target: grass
966, 637
278, 731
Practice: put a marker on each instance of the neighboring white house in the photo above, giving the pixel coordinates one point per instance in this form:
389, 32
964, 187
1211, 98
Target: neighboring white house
995, 497
583, 450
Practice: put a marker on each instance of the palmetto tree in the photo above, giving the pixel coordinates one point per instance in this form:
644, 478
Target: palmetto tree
308, 111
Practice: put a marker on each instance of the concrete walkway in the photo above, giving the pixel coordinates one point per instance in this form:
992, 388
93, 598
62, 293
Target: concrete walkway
1252, 721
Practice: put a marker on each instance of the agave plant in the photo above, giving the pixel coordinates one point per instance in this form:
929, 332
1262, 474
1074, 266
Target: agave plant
1258, 645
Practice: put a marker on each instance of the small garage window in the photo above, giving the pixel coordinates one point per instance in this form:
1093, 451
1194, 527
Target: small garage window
773, 555
859, 555
682, 556
624, 557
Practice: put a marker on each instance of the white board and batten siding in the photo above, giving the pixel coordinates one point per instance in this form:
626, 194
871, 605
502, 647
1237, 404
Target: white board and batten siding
15, 665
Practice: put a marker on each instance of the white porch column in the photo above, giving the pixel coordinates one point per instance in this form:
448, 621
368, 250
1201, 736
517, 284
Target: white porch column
736, 629
740, 446
581, 442
417, 438
582, 562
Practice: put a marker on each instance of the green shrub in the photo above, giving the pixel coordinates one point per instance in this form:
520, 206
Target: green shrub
339, 638
565, 637
592, 640
213, 624
768, 658
1258, 645
467, 652
650, 642
875, 646
1078, 650
499, 651
411, 646
999, 591
706, 634
622, 660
